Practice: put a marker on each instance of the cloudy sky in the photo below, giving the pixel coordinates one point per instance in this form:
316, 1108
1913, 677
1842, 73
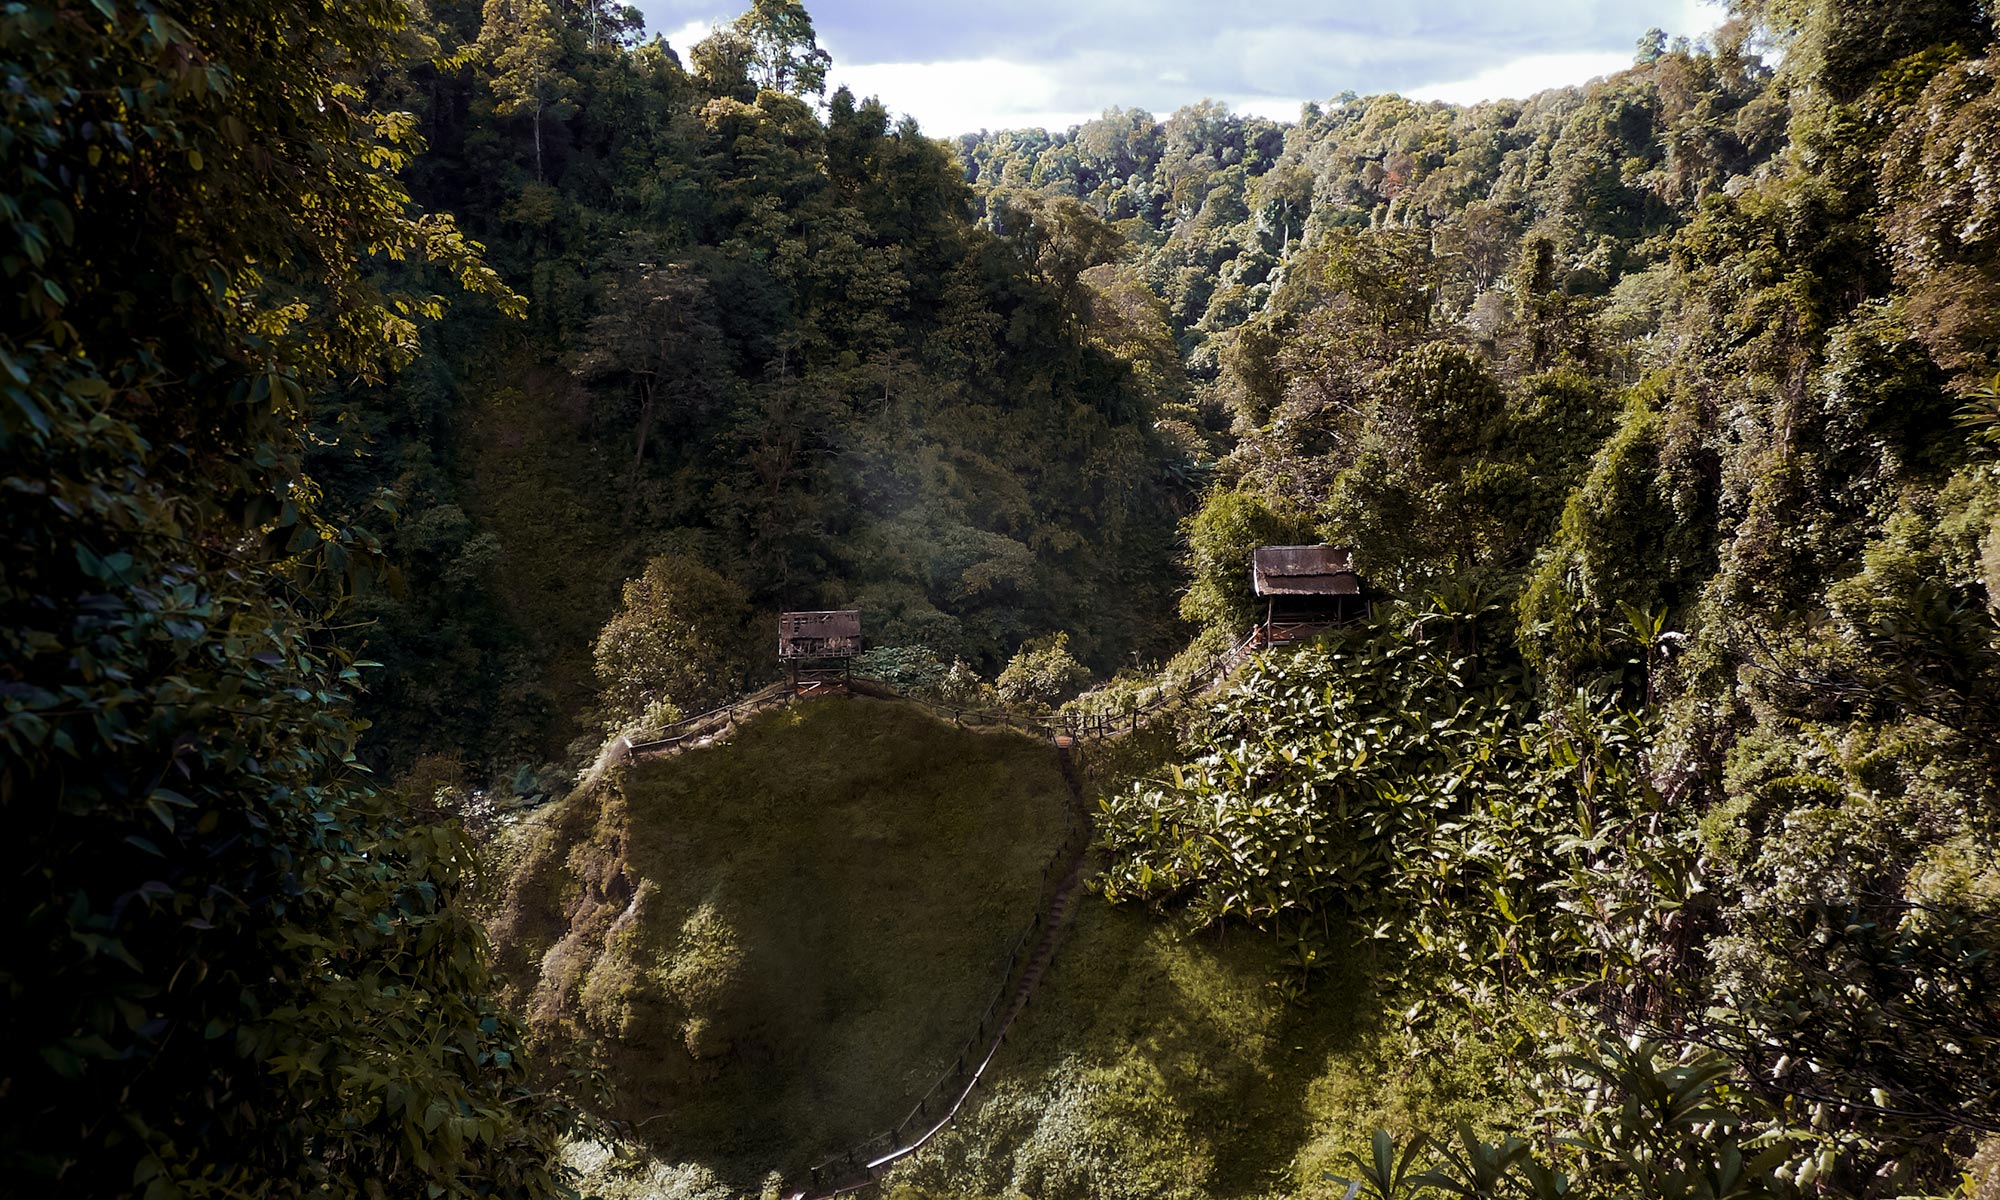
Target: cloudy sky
965, 65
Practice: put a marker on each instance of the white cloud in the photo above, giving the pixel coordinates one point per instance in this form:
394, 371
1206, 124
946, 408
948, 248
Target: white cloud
684, 38
1520, 78
950, 98
963, 65
1523, 77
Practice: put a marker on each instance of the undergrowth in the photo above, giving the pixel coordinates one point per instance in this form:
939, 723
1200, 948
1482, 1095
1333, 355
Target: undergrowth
1158, 1064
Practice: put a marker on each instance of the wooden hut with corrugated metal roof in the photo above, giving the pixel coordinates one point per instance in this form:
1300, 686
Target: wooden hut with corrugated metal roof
820, 648
1306, 590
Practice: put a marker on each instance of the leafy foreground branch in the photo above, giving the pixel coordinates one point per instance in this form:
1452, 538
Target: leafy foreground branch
237, 966
1642, 1124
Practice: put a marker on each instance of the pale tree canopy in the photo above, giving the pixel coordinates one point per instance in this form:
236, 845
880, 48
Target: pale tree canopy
773, 46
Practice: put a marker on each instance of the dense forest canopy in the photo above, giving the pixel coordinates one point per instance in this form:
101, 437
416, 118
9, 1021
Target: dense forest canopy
403, 399
766, 338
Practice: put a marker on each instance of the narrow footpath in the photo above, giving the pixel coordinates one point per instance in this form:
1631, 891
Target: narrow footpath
863, 1165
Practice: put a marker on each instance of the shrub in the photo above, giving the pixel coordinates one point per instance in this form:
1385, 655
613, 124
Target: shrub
1220, 540
680, 637
1043, 674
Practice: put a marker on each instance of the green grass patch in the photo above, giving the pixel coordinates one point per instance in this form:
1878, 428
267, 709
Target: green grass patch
1162, 1063
775, 945
1158, 1064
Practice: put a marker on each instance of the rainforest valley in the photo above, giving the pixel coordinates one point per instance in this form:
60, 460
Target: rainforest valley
413, 405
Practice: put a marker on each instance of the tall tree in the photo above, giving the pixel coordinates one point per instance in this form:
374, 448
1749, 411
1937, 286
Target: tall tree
657, 334
522, 41
1059, 239
785, 51
679, 643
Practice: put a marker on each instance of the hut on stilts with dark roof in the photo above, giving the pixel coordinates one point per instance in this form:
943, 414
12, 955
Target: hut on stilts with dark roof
820, 648
1306, 590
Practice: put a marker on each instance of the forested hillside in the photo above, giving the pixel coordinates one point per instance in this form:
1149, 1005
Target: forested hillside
1667, 407
406, 402
767, 341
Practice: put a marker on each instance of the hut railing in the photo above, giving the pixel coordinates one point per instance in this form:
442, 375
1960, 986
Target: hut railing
716, 720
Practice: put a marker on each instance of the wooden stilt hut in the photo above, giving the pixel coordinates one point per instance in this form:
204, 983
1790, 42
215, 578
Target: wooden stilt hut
820, 648
1306, 590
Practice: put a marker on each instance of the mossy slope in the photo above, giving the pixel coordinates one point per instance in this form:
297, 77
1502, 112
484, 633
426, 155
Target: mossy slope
775, 945
1155, 1065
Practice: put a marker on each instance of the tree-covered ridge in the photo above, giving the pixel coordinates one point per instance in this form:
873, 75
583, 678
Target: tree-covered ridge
1226, 204
766, 336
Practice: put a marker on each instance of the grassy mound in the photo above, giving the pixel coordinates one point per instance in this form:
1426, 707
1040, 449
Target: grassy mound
1158, 1064
774, 945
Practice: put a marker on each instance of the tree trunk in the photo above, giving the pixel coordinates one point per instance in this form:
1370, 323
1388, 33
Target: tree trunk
645, 431
539, 177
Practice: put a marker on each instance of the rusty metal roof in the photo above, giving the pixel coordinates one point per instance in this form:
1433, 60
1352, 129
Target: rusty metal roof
1305, 571
845, 622
819, 634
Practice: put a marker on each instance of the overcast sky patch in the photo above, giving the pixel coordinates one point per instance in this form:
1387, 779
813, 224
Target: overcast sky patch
960, 66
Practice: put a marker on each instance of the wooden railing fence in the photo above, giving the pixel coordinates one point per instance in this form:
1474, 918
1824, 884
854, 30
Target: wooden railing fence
1030, 957
1033, 950
1079, 726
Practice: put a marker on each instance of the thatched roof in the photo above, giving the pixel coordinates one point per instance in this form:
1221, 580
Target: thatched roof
1305, 571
